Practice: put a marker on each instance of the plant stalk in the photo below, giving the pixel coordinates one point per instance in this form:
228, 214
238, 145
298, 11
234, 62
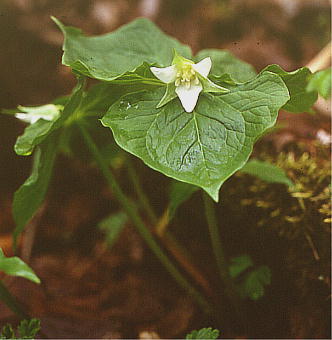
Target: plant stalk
222, 264
140, 192
140, 225
11, 302
167, 239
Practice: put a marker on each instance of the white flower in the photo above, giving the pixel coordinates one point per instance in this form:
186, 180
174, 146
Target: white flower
32, 114
186, 80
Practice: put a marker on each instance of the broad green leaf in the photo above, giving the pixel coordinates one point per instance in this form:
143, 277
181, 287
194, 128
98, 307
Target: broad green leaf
35, 133
225, 62
253, 286
321, 82
28, 329
204, 333
267, 172
250, 280
31, 194
14, 266
296, 81
180, 192
108, 56
239, 264
205, 147
112, 226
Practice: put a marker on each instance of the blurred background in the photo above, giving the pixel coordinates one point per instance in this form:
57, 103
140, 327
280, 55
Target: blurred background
261, 32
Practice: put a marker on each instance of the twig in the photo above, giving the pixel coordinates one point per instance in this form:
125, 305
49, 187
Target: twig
321, 60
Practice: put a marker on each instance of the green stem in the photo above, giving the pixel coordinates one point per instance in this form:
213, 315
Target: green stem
222, 264
140, 193
11, 302
139, 224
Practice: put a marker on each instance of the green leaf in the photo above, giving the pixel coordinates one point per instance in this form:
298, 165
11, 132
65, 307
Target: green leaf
296, 81
205, 147
109, 56
35, 133
239, 264
204, 333
14, 266
267, 172
251, 280
321, 81
7, 332
254, 283
179, 193
112, 226
28, 329
225, 62
31, 194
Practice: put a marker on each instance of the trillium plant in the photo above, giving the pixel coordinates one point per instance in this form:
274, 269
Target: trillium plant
192, 118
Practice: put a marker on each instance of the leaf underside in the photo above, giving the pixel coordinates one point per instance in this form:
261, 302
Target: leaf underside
205, 147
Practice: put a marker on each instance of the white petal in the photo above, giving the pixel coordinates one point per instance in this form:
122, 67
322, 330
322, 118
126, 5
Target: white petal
165, 74
203, 67
34, 119
188, 97
23, 117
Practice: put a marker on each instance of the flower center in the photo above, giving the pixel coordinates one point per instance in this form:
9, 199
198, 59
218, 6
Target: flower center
186, 75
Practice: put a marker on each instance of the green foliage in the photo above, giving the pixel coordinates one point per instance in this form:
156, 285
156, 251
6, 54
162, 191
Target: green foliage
7, 332
205, 147
36, 133
204, 333
321, 81
32, 192
254, 283
33, 135
179, 193
112, 226
27, 329
109, 56
223, 62
250, 280
266, 171
296, 81
14, 266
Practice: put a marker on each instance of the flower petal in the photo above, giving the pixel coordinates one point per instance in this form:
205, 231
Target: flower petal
188, 96
203, 67
165, 74
23, 117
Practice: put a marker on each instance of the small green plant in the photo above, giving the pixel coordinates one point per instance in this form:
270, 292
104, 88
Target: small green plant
27, 329
14, 266
193, 118
204, 333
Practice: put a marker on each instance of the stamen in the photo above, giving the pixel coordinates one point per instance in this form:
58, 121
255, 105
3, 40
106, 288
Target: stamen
186, 75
